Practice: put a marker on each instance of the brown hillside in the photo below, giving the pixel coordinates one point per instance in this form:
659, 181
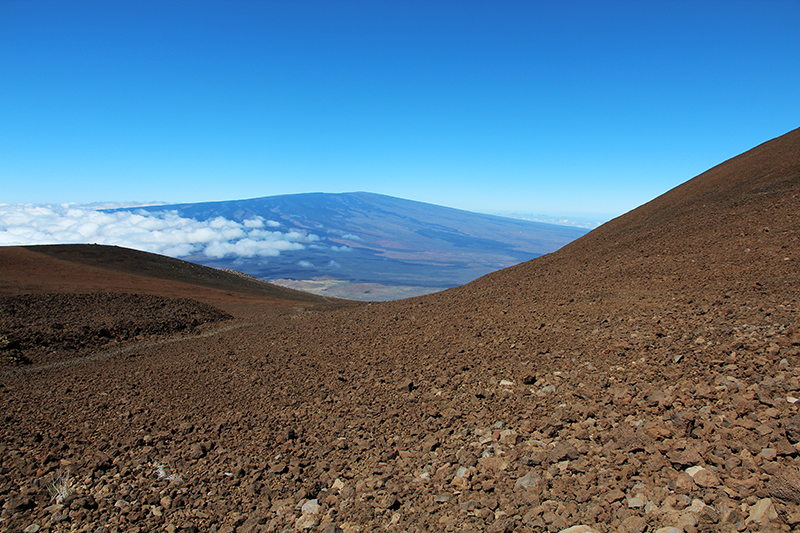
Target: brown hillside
59, 302
644, 376
90, 267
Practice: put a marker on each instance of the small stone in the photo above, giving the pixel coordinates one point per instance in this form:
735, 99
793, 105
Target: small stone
33, 528
501, 525
509, 436
694, 470
684, 484
406, 385
688, 519
579, 529
785, 486
656, 397
310, 507
506, 383
547, 389
430, 444
462, 471
669, 530
793, 429
706, 478
52, 509
793, 518
529, 480
689, 456
461, 479
390, 502
762, 512
768, 454
443, 498
306, 521
697, 506
16, 505
729, 513
633, 524
196, 451
635, 503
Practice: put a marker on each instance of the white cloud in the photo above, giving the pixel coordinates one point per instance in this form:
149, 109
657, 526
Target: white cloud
163, 233
351, 237
306, 264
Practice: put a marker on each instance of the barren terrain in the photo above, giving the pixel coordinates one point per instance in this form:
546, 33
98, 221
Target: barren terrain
643, 377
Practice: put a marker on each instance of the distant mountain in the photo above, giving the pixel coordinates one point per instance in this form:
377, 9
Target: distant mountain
370, 246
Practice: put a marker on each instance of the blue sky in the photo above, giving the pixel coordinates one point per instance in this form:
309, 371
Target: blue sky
565, 108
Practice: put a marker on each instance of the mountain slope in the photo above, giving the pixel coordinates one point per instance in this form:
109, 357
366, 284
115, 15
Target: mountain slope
733, 224
645, 376
59, 302
364, 238
84, 267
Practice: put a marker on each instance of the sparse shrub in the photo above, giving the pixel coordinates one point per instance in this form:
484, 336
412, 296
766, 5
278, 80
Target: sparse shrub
161, 471
60, 487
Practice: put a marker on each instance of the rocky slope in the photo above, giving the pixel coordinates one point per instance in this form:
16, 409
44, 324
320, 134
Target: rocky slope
644, 377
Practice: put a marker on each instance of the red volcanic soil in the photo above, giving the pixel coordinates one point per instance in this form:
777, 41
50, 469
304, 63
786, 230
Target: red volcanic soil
83, 267
645, 376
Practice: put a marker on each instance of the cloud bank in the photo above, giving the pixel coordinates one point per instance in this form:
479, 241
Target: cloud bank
163, 233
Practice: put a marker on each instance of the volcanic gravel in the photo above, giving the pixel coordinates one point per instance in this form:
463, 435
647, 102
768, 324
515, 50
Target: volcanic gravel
643, 378
42, 328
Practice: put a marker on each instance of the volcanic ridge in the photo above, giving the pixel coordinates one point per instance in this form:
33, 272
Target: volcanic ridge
645, 377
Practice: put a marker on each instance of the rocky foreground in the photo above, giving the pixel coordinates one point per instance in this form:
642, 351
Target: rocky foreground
644, 378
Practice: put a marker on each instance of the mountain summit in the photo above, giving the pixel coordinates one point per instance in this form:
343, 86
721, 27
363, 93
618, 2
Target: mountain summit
644, 376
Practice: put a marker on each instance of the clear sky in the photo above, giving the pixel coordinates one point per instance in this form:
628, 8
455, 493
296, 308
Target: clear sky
574, 108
